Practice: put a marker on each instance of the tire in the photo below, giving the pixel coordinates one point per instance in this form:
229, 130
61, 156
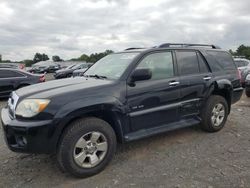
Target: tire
209, 122
76, 134
247, 92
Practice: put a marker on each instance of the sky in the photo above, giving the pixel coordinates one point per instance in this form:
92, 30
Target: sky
69, 28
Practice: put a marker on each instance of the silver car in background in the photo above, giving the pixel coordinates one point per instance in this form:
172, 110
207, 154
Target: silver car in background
80, 72
244, 68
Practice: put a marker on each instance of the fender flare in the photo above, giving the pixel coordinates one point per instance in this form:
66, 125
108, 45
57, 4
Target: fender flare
84, 107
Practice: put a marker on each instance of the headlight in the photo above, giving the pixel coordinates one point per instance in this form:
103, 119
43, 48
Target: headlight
248, 77
31, 107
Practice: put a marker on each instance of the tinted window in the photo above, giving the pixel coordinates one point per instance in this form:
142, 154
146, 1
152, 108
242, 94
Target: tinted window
202, 64
187, 62
161, 65
9, 74
223, 60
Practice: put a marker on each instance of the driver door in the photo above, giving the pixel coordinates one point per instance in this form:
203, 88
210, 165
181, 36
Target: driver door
154, 102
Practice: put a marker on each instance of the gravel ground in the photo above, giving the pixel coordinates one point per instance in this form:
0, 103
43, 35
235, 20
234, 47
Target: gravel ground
182, 158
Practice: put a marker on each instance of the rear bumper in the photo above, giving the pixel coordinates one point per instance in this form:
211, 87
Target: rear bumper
237, 93
26, 136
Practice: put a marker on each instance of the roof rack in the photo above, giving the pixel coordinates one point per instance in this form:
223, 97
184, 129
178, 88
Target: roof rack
167, 45
133, 49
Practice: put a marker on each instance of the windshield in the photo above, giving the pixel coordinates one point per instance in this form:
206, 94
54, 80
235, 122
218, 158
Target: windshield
111, 66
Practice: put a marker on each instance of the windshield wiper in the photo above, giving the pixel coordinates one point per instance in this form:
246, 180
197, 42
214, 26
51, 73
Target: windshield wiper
96, 76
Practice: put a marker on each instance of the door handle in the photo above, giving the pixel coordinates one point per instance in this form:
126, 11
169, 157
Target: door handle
174, 83
206, 78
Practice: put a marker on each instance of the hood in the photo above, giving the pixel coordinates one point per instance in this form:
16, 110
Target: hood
61, 87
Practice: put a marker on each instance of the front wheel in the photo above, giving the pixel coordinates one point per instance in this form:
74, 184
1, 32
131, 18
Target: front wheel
86, 148
215, 113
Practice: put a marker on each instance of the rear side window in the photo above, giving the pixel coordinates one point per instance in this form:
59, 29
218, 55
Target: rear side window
187, 62
222, 59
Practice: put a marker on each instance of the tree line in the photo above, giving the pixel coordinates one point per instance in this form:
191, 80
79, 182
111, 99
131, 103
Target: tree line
242, 50
92, 58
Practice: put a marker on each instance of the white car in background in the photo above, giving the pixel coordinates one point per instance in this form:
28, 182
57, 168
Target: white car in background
242, 63
247, 85
244, 68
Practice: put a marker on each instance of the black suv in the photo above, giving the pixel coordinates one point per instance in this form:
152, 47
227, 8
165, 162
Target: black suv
123, 97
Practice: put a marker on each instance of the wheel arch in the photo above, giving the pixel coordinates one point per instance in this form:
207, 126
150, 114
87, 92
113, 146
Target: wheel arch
223, 88
107, 112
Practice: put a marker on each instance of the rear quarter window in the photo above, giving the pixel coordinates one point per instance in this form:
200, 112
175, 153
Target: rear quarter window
221, 60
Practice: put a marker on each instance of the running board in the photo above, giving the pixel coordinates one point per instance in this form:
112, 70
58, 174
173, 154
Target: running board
161, 129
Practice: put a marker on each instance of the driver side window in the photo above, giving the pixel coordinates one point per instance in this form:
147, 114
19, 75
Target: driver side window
161, 65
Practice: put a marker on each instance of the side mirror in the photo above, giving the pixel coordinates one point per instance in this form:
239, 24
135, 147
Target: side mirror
141, 74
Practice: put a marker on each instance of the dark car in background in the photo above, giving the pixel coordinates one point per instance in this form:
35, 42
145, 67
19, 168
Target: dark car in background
68, 72
80, 72
45, 67
12, 79
12, 65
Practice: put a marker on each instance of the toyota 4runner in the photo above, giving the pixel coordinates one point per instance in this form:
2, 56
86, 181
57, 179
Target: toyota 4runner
123, 97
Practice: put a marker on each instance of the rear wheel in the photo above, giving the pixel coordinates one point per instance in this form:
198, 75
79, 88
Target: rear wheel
86, 147
215, 114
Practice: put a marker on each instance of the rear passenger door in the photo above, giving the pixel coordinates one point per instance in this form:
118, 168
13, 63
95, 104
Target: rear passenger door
195, 79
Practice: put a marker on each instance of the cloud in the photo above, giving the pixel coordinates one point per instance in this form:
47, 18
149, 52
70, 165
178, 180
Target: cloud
69, 28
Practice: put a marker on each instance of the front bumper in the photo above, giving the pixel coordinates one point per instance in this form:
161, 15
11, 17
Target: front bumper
27, 136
